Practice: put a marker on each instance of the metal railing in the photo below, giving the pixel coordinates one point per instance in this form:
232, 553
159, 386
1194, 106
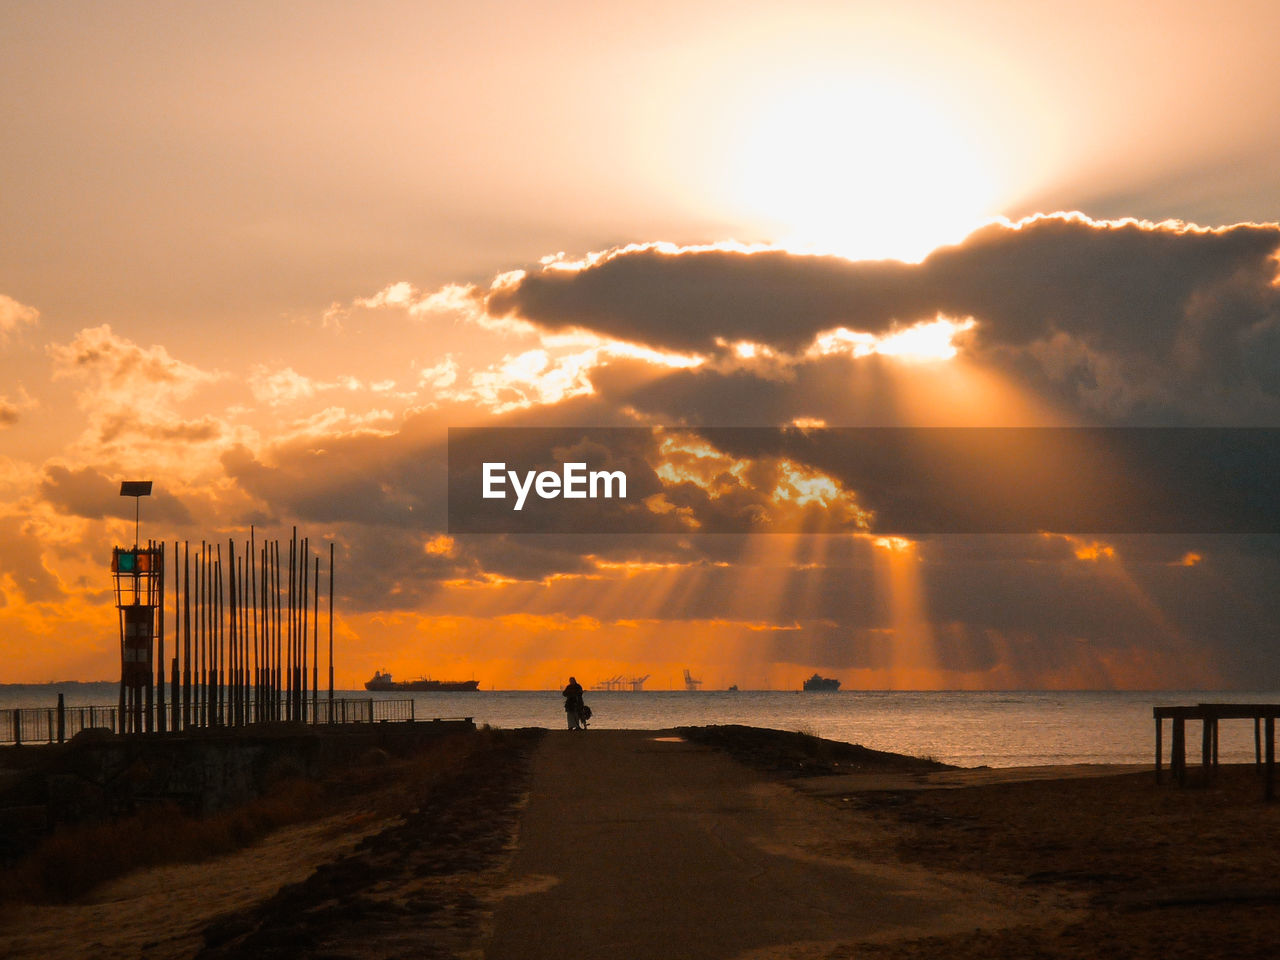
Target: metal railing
54, 724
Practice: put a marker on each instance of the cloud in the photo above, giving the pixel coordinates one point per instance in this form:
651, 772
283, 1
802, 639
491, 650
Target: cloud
1120, 318
91, 495
118, 372
132, 399
11, 409
452, 303
286, 385
14, 316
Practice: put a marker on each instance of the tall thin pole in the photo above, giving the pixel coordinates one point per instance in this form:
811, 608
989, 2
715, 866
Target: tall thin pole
330, 629
304, 574
315, 644
174, 692
202, 634
292, 640
186, 636
160, 725
234, 594
279, 623
220, 667
257, 656
233, 676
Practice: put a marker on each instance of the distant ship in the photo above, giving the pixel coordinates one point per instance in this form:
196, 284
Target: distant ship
821, 683
382, 681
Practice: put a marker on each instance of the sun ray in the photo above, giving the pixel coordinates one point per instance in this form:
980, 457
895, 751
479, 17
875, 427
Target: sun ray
913, 660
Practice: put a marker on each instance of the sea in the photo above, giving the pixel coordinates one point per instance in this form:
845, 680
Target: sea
968, 728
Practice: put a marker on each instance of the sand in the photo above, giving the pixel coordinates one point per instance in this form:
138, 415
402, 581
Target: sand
634, 844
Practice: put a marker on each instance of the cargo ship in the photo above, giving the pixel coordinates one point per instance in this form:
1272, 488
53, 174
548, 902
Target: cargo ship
821, 683
382, 681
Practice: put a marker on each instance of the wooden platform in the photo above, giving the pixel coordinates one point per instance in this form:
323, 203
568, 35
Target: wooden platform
1263, 716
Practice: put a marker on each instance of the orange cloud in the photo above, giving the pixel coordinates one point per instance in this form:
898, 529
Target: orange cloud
14, 316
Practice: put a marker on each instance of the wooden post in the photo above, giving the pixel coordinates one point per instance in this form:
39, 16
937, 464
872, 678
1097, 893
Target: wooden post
1270, 792
1159, 745
1206, 747
17, 724
62, 719
1257, 745
1178, 757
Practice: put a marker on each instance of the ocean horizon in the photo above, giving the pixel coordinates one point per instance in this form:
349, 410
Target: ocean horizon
968, 728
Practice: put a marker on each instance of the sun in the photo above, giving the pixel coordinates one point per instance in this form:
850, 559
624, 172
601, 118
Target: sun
861, 168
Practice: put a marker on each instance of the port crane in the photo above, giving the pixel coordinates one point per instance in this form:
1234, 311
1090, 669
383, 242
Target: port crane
619, 682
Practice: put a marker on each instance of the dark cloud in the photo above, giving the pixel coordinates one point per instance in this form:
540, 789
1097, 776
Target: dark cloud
396, 480
1122, 319
686, 301
204, 430
837, 389
1122, 282
89, 494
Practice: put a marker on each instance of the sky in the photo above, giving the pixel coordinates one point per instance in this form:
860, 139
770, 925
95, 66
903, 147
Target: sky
267, 254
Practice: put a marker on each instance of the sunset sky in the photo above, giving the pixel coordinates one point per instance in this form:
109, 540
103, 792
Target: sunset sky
266, 254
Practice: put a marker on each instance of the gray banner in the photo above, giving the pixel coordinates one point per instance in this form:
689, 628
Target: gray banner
878, 480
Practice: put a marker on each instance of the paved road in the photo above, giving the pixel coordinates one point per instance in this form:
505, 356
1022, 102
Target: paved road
633, 847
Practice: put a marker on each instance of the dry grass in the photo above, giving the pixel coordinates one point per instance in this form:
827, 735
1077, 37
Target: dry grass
75, 859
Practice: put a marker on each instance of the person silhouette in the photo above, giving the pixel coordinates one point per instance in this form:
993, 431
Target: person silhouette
573, 704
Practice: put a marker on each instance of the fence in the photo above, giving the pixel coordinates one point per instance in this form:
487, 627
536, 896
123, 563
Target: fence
56, 724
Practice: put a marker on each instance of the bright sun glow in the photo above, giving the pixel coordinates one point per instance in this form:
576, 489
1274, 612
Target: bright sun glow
918, 343
861, 169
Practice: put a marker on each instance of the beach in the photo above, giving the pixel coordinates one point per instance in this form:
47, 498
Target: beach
725, 842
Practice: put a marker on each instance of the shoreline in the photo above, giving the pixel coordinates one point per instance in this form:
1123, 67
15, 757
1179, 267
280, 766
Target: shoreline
968, 729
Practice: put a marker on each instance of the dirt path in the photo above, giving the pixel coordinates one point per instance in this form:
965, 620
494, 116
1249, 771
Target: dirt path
642, 846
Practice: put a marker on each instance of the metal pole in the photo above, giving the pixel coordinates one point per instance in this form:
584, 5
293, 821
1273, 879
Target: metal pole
160, 724
304, 575
315, 644
186, 635
331, 628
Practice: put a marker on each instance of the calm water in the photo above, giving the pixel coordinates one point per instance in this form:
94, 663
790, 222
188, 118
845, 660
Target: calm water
997, 729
